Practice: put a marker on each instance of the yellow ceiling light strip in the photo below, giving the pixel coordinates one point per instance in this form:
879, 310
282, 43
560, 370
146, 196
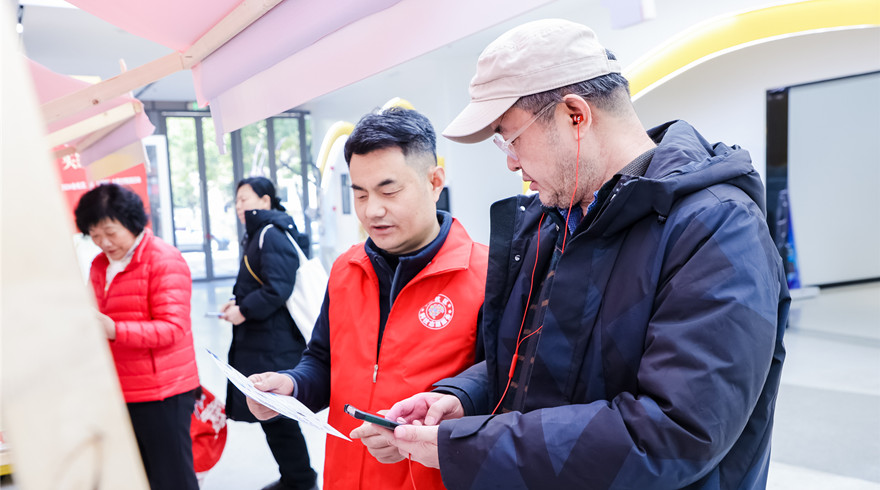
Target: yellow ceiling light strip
722, 34
401, 102
343, 128
398, 102
336, 131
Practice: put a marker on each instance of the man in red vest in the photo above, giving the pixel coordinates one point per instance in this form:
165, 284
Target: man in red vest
401, 310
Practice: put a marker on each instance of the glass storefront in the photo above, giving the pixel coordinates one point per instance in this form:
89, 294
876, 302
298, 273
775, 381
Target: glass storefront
202, 182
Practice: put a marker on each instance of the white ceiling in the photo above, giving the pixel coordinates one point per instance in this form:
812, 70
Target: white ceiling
71, 41
75, 42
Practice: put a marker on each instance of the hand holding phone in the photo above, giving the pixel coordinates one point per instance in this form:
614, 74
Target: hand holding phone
371, 418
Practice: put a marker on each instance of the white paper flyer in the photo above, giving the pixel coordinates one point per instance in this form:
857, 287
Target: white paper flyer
285, 405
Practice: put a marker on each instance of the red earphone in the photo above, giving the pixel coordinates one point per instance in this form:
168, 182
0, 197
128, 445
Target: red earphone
575, 119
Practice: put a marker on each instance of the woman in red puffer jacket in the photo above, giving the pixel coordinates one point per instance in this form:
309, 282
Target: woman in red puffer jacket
142, 287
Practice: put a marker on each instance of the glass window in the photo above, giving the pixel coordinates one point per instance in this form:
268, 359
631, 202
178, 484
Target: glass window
186, 192
253, 150
221, 203
202, 183
288, 164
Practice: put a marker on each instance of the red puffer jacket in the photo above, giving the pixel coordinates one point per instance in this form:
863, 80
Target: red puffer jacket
150, 303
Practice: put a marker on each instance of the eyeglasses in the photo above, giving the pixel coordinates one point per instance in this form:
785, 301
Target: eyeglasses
505, 145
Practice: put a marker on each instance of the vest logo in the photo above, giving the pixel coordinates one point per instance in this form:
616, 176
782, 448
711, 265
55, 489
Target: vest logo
437, 313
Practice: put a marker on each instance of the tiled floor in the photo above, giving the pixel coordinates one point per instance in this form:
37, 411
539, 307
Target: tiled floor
827, 432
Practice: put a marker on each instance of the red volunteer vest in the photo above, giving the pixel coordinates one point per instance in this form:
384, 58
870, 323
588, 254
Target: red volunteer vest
430, 334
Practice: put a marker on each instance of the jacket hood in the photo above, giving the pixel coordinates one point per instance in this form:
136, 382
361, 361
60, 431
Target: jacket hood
683, 163
256, 219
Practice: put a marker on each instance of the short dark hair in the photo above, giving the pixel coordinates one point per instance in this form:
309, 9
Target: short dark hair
607, 92
394, 127
110, 201
262, 187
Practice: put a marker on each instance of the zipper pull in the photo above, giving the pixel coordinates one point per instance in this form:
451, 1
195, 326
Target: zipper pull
375, 372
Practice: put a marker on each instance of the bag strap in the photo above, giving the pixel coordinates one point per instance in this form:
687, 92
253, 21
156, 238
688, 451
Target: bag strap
246, 264
299, 253
263, 234
302, 256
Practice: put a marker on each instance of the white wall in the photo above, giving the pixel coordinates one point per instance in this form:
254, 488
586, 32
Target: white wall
836, 230
833, 177
476, 174
724, 97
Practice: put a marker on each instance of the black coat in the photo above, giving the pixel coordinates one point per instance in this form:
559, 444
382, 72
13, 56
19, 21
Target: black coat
659, 355
268, 340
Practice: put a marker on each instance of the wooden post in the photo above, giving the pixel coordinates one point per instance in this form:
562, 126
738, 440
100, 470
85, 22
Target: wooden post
62, 411
236, 21
95, 127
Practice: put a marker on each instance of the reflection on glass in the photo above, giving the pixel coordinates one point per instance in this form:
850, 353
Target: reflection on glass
221, 204
288, 161
212, 249
253, 150
186, 192
157, 219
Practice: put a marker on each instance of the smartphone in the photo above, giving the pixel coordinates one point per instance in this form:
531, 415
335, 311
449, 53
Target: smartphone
369, 417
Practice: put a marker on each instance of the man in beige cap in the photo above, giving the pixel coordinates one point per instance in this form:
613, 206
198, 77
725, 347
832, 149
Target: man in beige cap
634, 308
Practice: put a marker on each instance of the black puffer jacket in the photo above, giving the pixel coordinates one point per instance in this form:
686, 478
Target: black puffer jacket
659, 354
268, 340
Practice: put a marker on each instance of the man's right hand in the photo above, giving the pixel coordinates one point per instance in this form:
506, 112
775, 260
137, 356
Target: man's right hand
232, 313
273, 383
379, 441
427, 408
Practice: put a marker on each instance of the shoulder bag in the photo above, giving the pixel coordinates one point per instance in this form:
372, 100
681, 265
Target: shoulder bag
304, 303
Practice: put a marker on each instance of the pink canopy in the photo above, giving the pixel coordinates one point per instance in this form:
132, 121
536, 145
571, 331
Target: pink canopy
250, 62
97, 130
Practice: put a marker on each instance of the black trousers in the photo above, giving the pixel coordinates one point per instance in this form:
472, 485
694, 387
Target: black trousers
289, 448
162, 432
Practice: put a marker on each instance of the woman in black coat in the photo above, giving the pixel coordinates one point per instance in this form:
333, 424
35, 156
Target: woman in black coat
264, 336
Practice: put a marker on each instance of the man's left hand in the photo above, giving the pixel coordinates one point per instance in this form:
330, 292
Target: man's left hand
379, 442
419, 442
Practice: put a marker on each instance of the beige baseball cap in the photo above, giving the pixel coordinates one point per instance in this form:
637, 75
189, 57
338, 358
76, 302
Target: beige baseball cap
534, 57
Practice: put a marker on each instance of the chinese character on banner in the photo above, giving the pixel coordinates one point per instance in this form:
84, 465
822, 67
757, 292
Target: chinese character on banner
74, 181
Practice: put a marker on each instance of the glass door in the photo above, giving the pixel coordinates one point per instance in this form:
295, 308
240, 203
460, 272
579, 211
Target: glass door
186, 191
202, 195
220, 190
289, 169
202, 183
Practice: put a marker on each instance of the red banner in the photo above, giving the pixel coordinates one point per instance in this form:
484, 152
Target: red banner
75, 180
